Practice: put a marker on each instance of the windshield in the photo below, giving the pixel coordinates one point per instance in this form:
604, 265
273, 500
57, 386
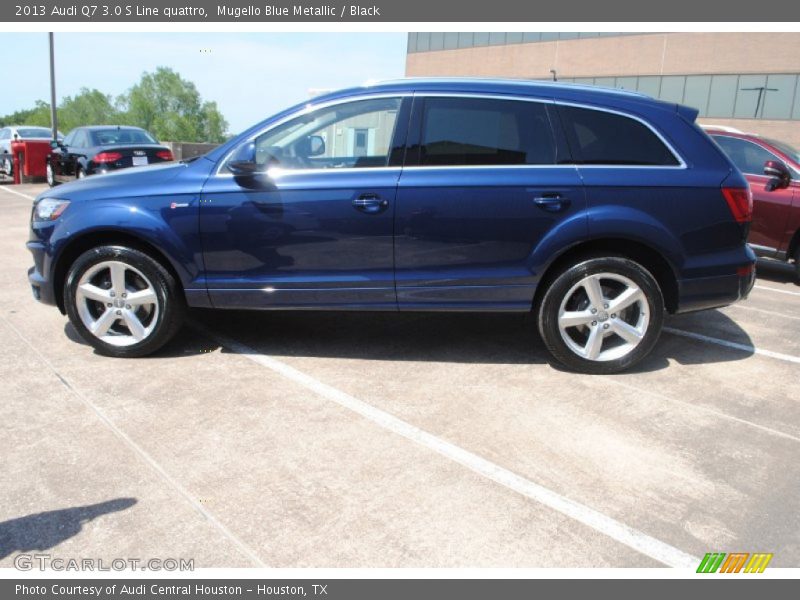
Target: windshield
788, 150
33, 132
108, 137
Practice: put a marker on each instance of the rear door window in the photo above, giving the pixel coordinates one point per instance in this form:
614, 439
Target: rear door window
485, 131
598, 137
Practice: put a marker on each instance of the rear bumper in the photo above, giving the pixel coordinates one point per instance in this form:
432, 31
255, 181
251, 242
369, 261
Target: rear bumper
700, 293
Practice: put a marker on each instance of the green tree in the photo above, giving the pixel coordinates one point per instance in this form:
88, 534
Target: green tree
89, 107
162, 102
39, 115
171, 108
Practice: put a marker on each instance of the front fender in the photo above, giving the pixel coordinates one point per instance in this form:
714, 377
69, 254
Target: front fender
168, 225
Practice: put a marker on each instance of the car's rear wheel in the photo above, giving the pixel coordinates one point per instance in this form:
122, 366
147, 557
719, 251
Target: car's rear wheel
601, 315
797, 261
122, 301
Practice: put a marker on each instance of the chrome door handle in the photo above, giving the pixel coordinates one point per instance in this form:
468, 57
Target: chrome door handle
551, 202
370, 203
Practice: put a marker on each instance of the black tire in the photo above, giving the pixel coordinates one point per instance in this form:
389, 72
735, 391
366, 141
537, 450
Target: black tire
79, 172
166, 317
797, 262
647, 314
50, 175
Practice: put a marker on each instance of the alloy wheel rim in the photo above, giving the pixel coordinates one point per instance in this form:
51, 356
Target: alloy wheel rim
117, 303
603, 317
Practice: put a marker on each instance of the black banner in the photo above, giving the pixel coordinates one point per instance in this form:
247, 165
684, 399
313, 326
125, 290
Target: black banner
245, 11
397, 589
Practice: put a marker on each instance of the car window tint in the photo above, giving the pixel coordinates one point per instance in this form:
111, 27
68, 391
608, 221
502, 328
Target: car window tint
109, 137
602, 138
34, 132
349, 135
747, 156
484, 131
4, 134
80, 140
69, 138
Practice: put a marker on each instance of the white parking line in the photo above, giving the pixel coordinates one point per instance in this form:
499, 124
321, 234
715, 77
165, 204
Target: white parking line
651, 392
772, 289
633, 538
16, 193
741, 306
144, 456
733, 345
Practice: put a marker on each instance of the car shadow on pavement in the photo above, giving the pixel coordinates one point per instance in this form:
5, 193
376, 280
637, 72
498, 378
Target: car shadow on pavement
478, 338
445, 337
45, 530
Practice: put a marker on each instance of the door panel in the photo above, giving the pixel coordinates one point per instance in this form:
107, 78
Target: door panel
301, 239
770, 212
480, 193
313, 226
465, 236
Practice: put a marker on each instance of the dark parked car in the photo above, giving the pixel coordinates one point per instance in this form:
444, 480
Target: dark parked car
598, 210
772, 168
100, 149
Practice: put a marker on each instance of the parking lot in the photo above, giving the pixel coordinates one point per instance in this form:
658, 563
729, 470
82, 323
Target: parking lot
396, 440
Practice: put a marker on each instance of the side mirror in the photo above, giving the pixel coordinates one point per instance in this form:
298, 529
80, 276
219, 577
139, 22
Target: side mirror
316, 145
779, 175
243, 168
54, 144
312, 145
243, 163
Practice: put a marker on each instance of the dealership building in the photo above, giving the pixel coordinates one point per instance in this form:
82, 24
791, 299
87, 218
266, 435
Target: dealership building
749, 81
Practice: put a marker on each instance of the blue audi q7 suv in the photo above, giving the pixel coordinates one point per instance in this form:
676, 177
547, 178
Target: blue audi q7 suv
599, 210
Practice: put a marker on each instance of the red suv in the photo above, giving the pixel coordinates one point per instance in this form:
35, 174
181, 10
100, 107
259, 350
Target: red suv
772, 169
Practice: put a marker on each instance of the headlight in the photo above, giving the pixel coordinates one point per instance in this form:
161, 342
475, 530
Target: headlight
49, 209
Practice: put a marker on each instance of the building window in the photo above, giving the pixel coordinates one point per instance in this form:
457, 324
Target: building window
779, 97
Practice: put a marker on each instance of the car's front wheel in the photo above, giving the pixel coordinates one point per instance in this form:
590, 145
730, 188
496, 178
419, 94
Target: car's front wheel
122, 301
601, 315
51, 178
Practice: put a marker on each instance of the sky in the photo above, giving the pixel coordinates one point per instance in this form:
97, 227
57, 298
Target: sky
249, 75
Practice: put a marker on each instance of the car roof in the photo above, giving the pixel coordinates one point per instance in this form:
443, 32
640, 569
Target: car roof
99, 127
574, 92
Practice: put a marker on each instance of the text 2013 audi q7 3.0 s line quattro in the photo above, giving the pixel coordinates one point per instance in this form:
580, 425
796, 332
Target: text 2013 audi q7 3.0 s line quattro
598, 210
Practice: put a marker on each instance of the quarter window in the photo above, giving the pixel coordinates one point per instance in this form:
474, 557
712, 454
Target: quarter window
747, 156
602, 138
483, 131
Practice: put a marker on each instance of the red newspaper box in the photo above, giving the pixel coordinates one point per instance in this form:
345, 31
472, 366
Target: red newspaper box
35, 158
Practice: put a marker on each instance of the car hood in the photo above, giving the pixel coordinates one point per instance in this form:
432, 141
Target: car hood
131, 182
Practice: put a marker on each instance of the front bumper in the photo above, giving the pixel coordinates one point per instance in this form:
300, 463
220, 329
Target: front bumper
38, 275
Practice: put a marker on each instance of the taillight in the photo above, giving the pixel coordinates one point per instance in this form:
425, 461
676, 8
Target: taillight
164, 155
740, 201
107, 157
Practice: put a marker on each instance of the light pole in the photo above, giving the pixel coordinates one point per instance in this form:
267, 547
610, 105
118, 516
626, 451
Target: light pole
53, 115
